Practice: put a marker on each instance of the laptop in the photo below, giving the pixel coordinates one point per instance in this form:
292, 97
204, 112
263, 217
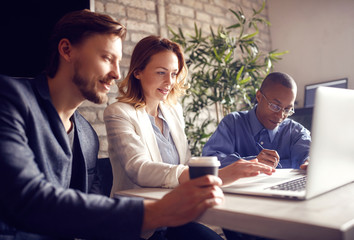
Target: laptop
331, 153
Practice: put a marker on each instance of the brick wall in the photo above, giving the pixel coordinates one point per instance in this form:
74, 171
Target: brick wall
146, 17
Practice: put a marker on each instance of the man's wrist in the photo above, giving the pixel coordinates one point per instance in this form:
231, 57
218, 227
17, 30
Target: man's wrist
249, 157
151, 220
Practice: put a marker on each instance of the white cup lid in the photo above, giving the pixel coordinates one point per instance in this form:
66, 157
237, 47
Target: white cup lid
210, 161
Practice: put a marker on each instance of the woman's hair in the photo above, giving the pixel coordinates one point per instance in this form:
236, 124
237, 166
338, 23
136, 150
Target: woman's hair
130, 88
76, 27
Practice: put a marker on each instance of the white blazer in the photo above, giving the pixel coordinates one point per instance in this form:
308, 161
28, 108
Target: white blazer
133, 150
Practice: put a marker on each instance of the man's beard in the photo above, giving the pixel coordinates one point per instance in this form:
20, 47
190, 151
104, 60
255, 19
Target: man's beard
88, 88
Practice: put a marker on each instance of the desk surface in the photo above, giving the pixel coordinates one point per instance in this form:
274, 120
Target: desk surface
328, 216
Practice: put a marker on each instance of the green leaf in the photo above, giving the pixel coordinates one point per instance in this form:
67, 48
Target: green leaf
196, 30
217, 57
275, 54
237, 15
262, 20
181, 33
260, 10
239, 73
228, 56
237, 25
173, 32
249, 36
244, 81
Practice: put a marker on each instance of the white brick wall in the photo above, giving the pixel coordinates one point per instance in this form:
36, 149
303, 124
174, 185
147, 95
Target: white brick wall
145, 17
204, 17
114, 8
180, 10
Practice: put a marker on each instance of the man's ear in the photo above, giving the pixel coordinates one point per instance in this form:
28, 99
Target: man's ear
65, 49
258, 96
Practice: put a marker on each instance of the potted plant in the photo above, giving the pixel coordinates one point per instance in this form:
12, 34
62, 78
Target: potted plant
226, 68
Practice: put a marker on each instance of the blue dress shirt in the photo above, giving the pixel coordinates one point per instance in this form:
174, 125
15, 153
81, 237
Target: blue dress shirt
167, 147
241, 135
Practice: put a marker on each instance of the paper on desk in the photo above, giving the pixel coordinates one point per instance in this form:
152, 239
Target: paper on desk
278, 175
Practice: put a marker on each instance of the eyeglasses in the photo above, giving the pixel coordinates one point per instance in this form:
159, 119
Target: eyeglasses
275, 108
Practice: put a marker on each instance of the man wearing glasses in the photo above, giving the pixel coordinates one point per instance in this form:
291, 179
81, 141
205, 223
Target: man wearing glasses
264, 133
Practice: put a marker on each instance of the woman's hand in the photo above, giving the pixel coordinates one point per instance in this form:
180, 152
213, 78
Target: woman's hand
243, 168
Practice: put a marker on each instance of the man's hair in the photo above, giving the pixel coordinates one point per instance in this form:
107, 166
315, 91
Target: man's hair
130, 88
76, 27
278, 78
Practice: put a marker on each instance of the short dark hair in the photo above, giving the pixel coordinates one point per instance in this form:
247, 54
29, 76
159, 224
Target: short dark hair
278, 78
77, 26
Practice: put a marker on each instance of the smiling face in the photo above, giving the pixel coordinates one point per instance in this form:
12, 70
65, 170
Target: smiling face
277, 94
96, 65
158, 77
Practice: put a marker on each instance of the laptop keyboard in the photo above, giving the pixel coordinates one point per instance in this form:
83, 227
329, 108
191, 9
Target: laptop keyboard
294, 185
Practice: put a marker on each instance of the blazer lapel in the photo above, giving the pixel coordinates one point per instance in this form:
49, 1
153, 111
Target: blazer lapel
149, 136
80, 147
177, 132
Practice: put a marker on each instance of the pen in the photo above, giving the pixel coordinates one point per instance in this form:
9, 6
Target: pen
259, 145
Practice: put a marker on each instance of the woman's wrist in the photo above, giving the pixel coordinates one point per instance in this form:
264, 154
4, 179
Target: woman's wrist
184, 177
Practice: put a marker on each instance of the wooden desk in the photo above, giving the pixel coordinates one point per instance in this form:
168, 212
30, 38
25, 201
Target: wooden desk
328, 216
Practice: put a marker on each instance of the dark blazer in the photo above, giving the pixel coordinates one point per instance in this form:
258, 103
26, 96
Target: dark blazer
36, 167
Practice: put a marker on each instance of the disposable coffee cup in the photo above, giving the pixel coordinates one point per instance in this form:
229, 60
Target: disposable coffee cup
200, 166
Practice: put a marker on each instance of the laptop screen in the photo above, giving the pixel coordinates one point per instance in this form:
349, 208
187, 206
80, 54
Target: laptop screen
332, 147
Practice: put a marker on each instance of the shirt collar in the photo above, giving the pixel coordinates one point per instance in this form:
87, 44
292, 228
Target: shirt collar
41, 82
42, 86
159, 114
257, 126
